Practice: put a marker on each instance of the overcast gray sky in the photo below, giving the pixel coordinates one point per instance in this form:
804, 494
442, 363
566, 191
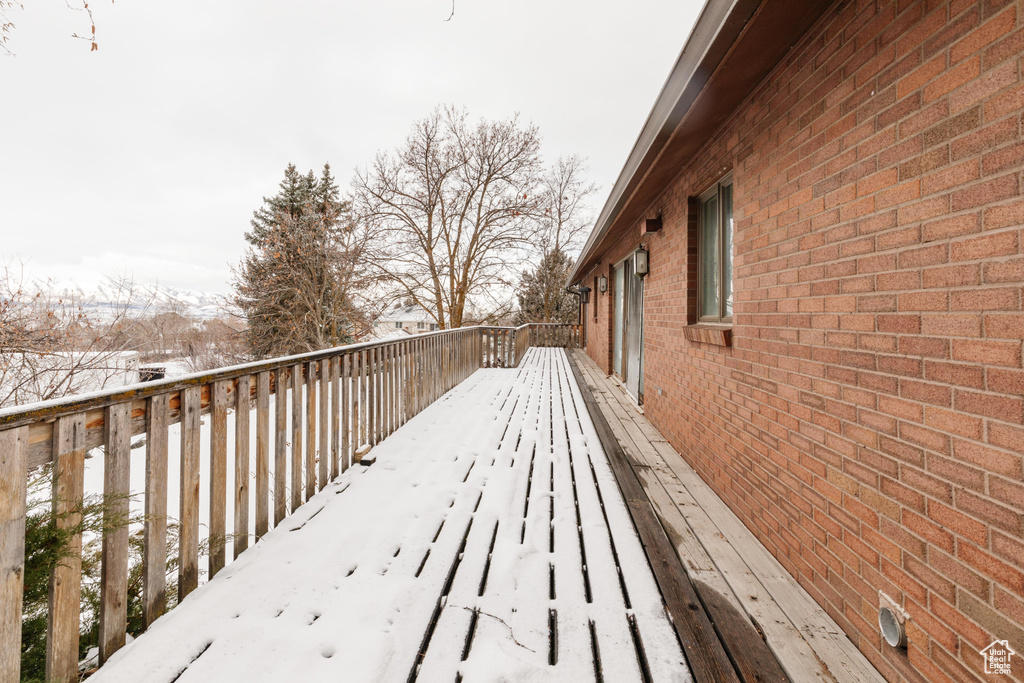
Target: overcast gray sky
148, 156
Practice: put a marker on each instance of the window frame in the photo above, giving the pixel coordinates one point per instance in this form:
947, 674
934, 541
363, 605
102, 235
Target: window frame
715, 191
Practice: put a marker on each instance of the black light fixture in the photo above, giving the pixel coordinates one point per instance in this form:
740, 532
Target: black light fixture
584, 294
602, 284
640, 261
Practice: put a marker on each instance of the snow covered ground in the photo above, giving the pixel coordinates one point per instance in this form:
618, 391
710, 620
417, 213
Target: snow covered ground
488, 542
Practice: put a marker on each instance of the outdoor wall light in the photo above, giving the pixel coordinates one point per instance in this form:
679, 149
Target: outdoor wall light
602, 284
640, 264
584, 294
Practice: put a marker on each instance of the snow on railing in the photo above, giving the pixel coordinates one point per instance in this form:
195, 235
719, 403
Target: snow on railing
345, 400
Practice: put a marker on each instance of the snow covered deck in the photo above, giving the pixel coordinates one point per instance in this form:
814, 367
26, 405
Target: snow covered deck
489, 541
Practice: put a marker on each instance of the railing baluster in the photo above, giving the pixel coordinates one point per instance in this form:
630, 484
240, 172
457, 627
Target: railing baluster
403, 383
395, 379
218, 476
399, 384
13, 472
280, 449
364, 393
346, 409
64, 614
335, 376
367, 407
356, 403
311, 429
154, 545
386, 398
242, 405
438, 378
417, 376
262, 453
410, 380
114, 561
188, 500
375, 391
296, 437
393, 393
324, 375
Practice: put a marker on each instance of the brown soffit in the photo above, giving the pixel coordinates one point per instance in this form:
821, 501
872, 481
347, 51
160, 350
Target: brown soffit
731, 49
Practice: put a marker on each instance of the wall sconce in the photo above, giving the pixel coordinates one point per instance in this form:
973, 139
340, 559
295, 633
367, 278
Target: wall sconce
584, 294
640, 262
602, 284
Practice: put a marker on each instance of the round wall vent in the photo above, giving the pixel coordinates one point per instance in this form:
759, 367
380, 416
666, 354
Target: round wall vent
892, 629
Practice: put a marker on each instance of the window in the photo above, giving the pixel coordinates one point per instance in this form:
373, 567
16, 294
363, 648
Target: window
421, 326
714, 276
398, 326
433, 326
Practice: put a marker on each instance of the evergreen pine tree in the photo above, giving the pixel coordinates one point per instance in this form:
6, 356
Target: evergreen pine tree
541, 292
294, 283
289, 201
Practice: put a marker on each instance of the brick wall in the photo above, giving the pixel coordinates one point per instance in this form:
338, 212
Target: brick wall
868, 421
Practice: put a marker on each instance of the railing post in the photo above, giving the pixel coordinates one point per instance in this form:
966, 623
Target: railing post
242, 405
218, 475
406, 382
114, 562
64, 613
280, 447
392, 386
154, 547
13, 472
188, 500
371, 403
335, 416
262, 453
325, 423
296, 438
346, 409
311, 430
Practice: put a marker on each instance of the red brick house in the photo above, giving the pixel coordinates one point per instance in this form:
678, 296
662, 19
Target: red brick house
829, 196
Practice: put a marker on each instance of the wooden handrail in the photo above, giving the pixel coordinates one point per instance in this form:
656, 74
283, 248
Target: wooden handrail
354, 397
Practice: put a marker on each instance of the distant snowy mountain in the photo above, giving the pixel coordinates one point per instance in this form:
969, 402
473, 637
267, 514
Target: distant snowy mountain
109, 296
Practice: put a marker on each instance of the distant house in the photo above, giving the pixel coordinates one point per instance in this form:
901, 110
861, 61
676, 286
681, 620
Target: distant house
411, 319
810, 273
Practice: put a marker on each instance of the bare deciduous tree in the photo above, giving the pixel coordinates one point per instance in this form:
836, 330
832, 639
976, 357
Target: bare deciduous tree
453, 209
565, 216
563, 222
52, 345
6, 25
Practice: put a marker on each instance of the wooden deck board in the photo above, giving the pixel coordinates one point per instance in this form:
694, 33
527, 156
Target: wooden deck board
719, 550
459, 586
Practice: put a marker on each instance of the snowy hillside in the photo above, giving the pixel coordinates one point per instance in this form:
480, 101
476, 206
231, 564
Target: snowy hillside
108, 296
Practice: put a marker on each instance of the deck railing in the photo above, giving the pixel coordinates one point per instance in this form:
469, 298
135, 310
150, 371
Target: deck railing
344, 401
